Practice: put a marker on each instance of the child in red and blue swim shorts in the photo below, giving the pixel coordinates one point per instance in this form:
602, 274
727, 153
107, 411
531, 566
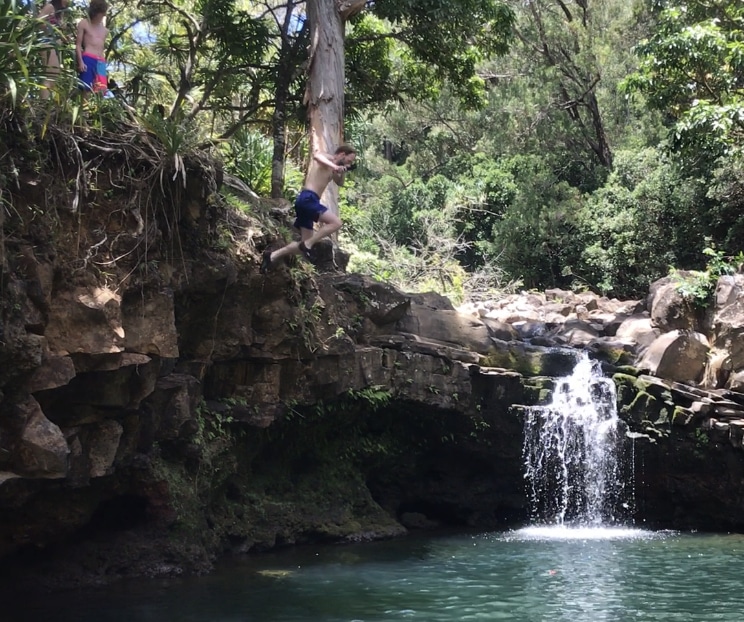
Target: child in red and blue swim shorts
94, 77
90, 48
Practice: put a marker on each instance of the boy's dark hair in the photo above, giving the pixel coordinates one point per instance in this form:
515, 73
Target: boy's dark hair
97, 7
345, 148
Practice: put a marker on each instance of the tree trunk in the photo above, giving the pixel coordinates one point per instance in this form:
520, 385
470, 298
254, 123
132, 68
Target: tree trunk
279, 136
324, 95
600, 145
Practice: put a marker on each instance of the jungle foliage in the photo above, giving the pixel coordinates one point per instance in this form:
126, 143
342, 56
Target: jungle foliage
574, 143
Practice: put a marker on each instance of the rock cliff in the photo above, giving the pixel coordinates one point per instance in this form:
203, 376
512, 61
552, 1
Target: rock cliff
162, 403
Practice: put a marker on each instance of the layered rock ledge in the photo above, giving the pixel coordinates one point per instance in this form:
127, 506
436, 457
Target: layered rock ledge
164, 404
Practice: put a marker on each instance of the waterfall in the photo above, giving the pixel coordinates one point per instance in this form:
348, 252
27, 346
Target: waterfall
573, 452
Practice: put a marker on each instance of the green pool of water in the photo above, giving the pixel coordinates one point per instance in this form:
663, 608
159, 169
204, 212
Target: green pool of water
532, 575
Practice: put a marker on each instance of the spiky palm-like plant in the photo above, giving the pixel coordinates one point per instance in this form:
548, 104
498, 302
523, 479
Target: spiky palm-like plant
21, 47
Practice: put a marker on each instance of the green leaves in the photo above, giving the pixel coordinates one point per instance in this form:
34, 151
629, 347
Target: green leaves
248, 156
451, 37
692, 69
698, 286
369, 59
20, 50
189, 55
646, 199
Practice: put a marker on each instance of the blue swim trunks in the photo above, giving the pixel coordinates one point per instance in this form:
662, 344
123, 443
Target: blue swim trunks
308, 209
94, 76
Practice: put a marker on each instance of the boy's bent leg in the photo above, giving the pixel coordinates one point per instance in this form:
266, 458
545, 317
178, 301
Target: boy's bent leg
290, 249
329, 224
293, 248
306, 235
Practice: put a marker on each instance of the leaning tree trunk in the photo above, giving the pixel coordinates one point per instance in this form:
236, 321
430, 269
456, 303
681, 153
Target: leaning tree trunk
324, 95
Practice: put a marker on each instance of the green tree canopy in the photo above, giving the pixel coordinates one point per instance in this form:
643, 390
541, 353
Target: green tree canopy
692, 69
451, 37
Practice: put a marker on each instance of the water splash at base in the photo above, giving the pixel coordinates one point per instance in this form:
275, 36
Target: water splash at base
562, 532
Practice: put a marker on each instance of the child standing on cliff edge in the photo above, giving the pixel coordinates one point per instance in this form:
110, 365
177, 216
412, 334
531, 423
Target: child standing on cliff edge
90, 48
52, 13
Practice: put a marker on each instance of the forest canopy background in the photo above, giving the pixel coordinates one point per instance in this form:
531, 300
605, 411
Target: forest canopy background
516, 143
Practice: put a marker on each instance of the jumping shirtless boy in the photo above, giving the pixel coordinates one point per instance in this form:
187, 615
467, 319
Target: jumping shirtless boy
90, 46
309, 210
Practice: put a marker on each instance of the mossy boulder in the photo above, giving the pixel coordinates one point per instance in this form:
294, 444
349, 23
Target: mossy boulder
531, 360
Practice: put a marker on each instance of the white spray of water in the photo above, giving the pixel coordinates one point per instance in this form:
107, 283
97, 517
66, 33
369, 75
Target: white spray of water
572, 451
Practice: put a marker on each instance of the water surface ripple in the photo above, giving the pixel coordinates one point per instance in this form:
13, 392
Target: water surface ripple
531, 575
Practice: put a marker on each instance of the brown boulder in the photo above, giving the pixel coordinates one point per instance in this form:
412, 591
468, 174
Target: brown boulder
42, 449
677, 355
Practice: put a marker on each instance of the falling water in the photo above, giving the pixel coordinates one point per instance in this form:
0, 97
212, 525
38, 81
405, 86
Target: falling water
572, 451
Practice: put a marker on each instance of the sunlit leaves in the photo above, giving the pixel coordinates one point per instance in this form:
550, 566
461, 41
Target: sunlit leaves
248, 156
692, 69
21, 47
646, 199
186, 53
369, 61
451, 37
